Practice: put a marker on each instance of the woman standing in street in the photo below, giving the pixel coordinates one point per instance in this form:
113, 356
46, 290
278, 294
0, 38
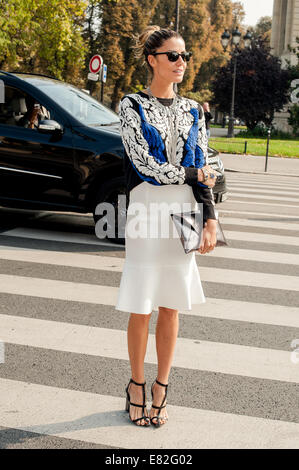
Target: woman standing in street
165, 144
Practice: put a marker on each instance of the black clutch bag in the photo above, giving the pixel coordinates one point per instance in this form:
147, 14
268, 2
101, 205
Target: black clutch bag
189, 226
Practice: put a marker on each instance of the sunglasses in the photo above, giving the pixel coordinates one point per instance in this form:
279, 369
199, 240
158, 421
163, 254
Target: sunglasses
173, 55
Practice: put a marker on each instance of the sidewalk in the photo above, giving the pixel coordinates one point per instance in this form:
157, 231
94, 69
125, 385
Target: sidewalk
221, 131
256, 164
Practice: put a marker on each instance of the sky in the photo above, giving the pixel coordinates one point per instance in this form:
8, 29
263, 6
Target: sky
254, 9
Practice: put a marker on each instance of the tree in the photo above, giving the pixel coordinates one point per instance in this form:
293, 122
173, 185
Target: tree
201, 24
195, 28
263, 28
58, 37
262, 86
238, 13
120, 20
293, 120
43, 36
220, 13
92, 26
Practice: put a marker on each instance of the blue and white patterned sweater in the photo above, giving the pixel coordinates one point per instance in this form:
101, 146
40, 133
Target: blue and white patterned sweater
145, 134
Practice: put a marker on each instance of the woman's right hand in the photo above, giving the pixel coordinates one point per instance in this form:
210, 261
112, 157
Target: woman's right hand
210, 182
209, 237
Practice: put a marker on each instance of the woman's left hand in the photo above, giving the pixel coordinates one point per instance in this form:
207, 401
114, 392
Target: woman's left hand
209, 237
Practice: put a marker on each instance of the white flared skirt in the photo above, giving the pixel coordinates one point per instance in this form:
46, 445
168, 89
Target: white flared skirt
157, 272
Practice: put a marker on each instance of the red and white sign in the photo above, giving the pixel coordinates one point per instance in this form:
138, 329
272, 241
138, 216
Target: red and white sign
95, 63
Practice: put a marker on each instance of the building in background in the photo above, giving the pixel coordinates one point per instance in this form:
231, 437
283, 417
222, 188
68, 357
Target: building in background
285, 29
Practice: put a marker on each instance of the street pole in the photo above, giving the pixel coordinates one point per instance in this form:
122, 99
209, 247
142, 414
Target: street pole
177, 15
177, 19
230, 132
102, 92
267, 151
234, 40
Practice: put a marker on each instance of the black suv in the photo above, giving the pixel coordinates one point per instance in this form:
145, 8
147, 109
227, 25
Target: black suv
60, 149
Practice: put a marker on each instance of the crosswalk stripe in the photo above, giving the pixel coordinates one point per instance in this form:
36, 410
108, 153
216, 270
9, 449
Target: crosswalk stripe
58, 258
261, 184
212, 356
270, 189
93, 240
261, 196
258, 208
283, 217
281, 206
59, 290
213, 274
101, 419
251, 223
262, 237
107, 295
247, 312
249, 278
274, 191
76, 260
254, 255
260, 179
60, 236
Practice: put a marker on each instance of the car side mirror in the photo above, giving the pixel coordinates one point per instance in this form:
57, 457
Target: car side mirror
49, 126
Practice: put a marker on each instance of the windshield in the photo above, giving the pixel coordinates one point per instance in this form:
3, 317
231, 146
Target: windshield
80, 105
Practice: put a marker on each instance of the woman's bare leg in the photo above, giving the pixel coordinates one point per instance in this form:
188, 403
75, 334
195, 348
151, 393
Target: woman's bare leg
166, 335
137, 342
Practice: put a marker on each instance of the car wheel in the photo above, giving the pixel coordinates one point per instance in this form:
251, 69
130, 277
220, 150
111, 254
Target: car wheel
109, 192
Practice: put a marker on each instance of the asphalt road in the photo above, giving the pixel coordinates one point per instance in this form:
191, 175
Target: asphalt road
235, 376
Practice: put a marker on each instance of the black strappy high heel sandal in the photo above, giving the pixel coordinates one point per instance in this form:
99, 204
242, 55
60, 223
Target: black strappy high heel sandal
159, 418
128, 403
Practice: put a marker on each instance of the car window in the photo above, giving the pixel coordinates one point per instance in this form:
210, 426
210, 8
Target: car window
79, 104
22, 110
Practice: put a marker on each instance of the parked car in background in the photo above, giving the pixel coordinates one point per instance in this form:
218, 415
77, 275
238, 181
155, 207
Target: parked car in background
60, 149
237, 121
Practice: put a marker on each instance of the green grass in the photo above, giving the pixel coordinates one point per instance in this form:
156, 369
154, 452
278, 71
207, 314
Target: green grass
235, 127
256, 146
